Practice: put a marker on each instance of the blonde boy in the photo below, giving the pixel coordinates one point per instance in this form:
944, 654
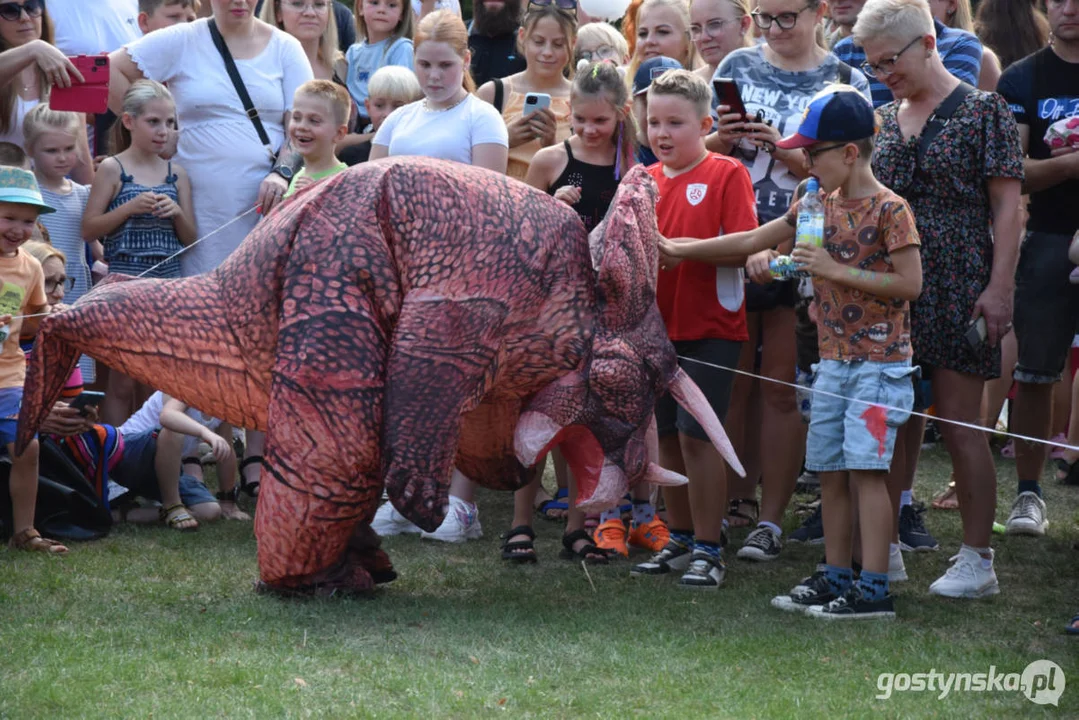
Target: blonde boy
160, 14
391, 87
320, 110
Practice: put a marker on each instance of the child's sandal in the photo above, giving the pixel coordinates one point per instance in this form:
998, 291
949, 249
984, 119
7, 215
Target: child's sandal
31, 541
519, 551
177, 517
589, 552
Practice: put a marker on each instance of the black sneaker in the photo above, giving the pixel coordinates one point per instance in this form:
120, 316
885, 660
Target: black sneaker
853, 606
812, 530
761, 545
705, 572
814, 590
674, 556
913, 537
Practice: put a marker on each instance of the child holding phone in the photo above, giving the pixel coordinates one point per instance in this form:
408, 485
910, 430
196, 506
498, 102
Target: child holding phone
546, 38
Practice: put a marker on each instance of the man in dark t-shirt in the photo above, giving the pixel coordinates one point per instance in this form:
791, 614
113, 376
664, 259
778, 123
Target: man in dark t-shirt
1041, 89
492, 39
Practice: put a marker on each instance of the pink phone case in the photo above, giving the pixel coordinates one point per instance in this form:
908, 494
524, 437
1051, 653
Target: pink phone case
91, 96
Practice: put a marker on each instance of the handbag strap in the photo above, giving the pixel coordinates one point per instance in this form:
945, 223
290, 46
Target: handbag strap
238, 83
940, 117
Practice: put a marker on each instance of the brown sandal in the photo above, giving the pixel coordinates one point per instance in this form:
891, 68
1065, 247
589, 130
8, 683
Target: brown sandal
31, 540
175, 515
947, 500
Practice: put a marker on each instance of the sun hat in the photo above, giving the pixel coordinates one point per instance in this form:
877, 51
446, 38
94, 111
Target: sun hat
19, 186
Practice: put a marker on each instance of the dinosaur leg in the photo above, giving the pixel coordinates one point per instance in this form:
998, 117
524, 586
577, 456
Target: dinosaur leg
442, 361
321, 482
486, 452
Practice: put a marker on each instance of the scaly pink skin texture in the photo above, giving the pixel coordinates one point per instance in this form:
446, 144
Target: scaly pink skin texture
387, 325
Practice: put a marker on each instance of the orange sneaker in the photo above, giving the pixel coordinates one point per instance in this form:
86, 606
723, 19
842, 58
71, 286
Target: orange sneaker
652, 536
611, 536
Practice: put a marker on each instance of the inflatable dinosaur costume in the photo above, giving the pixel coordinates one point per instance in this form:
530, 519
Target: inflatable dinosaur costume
388, 324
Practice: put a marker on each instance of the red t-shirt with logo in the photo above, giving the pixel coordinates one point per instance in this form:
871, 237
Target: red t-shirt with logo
698, 300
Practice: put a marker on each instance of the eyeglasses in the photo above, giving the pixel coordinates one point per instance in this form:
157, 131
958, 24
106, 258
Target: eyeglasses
59, 283
712, 29
12, 12
886, 67
603, 52
299, 6
785, 21
569, 6
812, 154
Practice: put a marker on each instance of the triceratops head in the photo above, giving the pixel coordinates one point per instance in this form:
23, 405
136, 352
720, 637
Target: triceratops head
602, 417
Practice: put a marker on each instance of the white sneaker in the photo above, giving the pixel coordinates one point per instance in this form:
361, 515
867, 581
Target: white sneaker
967, 577
462, 523
897, 570
390, 522
1027, 516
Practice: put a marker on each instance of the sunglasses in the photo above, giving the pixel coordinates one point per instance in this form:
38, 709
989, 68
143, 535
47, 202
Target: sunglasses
567, 5
12, 12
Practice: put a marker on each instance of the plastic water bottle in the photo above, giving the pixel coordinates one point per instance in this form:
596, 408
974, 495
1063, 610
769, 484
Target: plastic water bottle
810, 227
783, 267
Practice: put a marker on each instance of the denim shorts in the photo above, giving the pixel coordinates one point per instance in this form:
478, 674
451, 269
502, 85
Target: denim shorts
841, 435
1046, 308
136, 472
10, 404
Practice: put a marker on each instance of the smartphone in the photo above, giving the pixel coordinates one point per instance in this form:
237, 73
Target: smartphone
728, 94
85, 399
534, 102
91, 96
976, 334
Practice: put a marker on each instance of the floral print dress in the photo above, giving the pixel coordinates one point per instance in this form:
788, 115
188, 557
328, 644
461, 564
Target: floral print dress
949, 194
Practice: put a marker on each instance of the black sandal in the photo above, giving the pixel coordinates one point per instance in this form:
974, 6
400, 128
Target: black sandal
1070, 470
587, 553
519, 551
734, 510
249, 487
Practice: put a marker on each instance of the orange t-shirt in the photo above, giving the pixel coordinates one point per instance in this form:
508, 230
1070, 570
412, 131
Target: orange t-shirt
698, 300
860, 233
22, 292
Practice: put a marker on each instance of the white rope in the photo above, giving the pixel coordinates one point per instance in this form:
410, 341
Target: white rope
181, 251
937, 418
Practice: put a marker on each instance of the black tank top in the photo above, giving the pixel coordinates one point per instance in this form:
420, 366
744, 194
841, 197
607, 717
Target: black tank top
597, 184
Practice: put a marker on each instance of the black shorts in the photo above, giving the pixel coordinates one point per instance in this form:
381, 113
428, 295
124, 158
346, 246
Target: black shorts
714, 383
1046, 308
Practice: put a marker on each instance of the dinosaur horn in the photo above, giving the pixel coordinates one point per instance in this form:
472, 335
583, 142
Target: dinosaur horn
690, 397
51, 363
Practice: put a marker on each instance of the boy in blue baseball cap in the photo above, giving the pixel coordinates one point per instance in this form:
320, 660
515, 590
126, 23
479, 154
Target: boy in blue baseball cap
864, 277
648, 71
22, 293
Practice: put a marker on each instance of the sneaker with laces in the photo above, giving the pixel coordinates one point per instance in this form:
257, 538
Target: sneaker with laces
813, 590
812, 530
652, 535
852, 605
913, 537
388, 522
1027, 516
611, 536
897, 569
705, 572
966, 578
761, 545
673, 556
462, 523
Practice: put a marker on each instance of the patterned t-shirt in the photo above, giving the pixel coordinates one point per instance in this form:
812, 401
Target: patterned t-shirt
782, 96
860, 233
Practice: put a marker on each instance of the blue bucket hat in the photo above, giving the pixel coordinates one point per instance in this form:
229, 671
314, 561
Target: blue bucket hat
19, 186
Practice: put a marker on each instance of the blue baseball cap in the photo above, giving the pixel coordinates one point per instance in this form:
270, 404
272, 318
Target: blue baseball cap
650, 69
839, 113
19, 186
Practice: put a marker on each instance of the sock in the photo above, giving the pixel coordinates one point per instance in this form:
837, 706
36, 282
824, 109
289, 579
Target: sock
839, 578
682, 537
873, 586
611, 514
893, 548
771, 526
982, 552
1030, 486
643, 512
711, 548
906, 498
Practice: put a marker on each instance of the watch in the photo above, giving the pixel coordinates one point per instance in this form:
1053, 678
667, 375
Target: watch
284, 171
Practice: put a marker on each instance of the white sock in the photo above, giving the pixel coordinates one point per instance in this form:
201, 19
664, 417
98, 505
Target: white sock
906, 498
893, 548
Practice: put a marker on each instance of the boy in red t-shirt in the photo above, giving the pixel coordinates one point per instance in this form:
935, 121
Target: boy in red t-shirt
702, 195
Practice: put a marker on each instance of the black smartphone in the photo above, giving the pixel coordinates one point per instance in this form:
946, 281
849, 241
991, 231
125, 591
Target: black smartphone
87, 398
727, 93
976, 334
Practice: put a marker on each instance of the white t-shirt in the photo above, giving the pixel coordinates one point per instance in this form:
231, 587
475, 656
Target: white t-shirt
92, 27
454, 5
444, 134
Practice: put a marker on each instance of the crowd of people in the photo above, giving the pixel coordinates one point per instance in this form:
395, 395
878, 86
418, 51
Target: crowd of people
943, 284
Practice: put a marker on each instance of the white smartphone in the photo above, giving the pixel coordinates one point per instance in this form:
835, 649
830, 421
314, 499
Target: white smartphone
534, 102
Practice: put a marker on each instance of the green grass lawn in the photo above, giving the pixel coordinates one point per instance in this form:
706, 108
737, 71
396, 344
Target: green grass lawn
150, 622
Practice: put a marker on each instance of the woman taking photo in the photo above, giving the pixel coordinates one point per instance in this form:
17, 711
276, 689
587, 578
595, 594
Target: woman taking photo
961, 174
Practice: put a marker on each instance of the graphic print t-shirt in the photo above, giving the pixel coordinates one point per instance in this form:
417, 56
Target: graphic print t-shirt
861, 233
783, 97
22, 290
698, 300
